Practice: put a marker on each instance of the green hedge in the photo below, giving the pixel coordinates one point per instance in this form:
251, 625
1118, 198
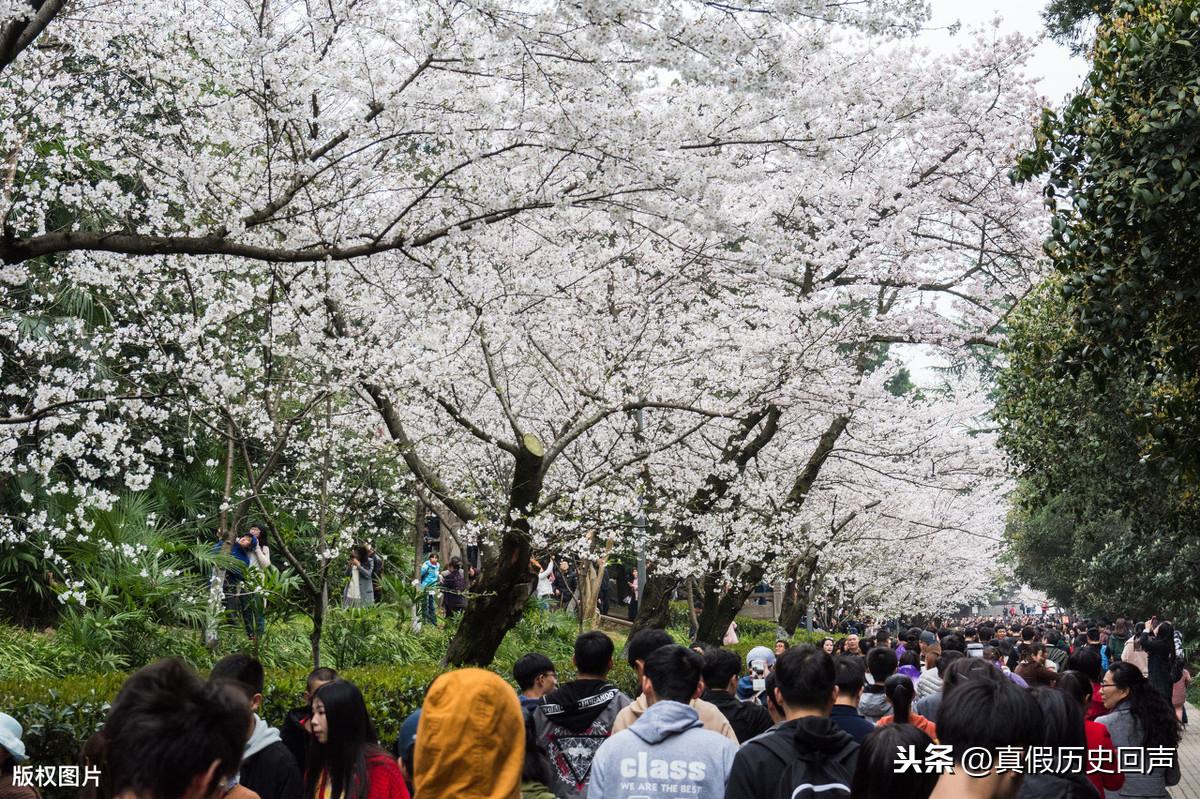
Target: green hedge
60, 715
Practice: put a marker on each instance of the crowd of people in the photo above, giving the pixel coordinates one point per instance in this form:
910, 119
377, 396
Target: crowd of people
940, 711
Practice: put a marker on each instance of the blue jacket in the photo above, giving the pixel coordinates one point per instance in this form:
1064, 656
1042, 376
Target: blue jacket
850, 721
234, 574
429, 574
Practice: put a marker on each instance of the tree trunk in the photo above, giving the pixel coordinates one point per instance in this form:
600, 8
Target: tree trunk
719, 612
591, 575
654, 603
318, 620
801, 584
497, 606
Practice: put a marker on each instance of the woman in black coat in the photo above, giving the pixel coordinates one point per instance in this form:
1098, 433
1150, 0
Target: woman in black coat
1160, 651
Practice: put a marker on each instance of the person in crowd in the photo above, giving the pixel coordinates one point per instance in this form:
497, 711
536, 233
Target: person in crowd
536, 677
1179, 694
346, 761
1087, 661
985, 712
406, 743
12, 753
375, 560
1054, 649
807, 748
881, 663
667, 751
1140, 716
638, 648
879, 773
900, 692
454, 588
759, 662
955, 667
268, 767
1093, 642
565, 581
358, 593
910, 666
781, 646
169, 733
993, 655
260, 560
430, 576
774, 709
1133, 653
974, 645
238, 601
1032, 667
471, 739
572, 721
909, 641
1102, 775
535, 771
930, 681
545, 582
1115, 645
851, 647
1157, 640
1062, 727
748, 719
295, 733
827, 645
850, 679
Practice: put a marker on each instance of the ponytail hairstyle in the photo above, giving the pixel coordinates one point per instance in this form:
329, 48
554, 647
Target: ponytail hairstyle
1150, 709
900, 692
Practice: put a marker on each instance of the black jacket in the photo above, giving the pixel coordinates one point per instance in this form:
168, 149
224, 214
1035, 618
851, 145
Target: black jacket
273, 773
849, 720
1055, 786
295, 735
759, 765
748, 719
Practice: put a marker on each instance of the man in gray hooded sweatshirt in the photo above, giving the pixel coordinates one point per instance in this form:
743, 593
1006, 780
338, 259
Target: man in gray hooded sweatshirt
268, 766
667, 751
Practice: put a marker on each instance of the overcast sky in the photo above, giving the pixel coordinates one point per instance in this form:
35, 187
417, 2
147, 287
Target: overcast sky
1059, 72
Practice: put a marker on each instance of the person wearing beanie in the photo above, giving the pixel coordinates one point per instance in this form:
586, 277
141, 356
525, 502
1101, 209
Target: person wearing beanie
470, 739
12, 752
406, 742
758, 656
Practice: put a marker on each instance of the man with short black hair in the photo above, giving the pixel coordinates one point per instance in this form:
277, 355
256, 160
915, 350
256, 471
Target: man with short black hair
294, 733
268, 768
881, 663
170, 734
536, 677
639, 647
748, 719
974, 645
571, 722
986, 714
666, 752
850, 680
807, 748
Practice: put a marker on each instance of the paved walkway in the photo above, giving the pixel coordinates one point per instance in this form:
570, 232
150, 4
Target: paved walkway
1189, 758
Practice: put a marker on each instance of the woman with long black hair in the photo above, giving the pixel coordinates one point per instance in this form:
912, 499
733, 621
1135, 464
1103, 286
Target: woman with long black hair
1062, 727
345, 760
1158, 643
1139, 716
879, 773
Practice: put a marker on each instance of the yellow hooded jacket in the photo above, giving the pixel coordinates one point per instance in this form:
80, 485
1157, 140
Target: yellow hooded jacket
471, 739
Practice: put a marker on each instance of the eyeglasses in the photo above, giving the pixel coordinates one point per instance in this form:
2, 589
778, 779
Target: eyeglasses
1108, 685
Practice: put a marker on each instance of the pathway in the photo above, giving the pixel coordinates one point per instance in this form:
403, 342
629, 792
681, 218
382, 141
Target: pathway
1189, 758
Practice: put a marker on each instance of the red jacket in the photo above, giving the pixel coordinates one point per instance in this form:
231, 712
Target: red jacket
386, 780
1098, 738
1095, 708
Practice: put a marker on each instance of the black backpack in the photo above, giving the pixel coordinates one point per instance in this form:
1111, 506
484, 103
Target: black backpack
812, 775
